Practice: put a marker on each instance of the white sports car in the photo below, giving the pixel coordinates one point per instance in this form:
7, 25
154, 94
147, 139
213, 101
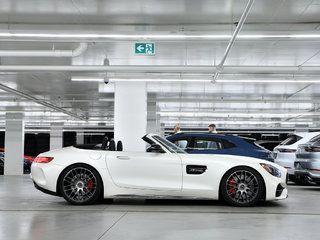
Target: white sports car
82, 176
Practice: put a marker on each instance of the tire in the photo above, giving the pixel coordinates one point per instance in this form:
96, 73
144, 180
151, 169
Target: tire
80, 184
292, 178
242, 187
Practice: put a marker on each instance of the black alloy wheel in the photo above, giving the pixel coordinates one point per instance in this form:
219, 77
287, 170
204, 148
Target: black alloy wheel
80, 185
242, 187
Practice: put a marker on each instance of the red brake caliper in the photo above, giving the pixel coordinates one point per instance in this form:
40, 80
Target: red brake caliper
90, 185
232, 189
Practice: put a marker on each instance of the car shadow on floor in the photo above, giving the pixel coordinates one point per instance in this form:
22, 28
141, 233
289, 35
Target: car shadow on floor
315, 188
181, 203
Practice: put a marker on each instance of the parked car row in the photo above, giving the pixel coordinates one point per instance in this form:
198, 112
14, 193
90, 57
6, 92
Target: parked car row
27, 161
300, 155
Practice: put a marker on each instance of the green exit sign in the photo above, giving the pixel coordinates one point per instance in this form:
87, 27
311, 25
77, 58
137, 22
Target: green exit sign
144, 48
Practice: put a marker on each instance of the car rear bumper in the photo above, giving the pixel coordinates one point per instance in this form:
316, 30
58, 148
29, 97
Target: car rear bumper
44, 190
286, 160
308, 168
308, 174
45, 175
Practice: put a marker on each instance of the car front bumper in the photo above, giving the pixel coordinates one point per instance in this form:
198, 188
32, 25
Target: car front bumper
277, 187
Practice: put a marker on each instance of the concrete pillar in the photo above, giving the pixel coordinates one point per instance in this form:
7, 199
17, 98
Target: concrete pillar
56, 135
153, 119
80, 137
14, 144
130, 115
162, 128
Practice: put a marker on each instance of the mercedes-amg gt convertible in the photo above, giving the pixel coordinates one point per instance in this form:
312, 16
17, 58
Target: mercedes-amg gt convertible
83, 176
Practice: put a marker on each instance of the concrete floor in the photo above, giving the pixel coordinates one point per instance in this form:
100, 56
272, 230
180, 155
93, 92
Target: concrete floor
26, 213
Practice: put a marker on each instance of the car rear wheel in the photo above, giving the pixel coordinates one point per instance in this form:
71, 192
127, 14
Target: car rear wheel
242, 187
80, 185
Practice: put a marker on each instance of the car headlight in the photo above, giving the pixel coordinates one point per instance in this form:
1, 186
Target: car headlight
271, 169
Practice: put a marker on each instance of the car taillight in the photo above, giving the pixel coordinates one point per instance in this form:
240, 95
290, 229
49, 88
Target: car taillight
43, 159
312, 149
29, 158
284, 150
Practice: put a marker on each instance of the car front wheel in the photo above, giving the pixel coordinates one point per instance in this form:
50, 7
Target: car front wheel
242, 187
80, 185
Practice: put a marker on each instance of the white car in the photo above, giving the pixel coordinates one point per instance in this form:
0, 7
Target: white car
83, 176
285, 152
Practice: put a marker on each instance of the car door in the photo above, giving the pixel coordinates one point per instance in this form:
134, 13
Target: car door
145, 170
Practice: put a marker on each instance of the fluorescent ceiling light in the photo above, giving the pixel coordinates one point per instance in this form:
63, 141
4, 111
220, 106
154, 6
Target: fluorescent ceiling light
233, 122
118, 36
157, 80
242, 114
68, 122
267, 80
218, 80
87, 79
157, 36
292, 36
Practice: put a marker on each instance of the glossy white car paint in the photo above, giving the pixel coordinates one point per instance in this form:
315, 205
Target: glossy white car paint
286, 159
153, 175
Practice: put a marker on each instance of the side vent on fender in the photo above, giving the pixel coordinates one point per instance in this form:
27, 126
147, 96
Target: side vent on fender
196, 169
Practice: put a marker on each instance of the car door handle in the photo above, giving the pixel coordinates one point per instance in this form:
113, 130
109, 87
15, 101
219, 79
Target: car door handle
123, 157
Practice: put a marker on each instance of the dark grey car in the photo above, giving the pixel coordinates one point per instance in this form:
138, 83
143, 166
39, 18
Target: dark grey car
307, 162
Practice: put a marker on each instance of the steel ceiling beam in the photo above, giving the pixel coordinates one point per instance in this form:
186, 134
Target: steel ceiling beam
41, 102
45, 53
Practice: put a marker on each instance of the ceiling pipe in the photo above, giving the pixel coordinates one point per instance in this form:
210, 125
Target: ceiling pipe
243, 18
201, 69
46, 53
41, 102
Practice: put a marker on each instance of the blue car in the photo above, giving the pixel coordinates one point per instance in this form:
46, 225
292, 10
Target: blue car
208, 143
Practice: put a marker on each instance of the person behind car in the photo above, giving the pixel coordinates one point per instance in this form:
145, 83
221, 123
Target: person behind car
181, 144
177, 129
212, 128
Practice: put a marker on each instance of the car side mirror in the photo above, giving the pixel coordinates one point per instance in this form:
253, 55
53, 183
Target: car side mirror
155, 148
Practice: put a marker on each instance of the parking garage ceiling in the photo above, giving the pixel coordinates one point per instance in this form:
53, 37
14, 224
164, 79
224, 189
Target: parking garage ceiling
271, 78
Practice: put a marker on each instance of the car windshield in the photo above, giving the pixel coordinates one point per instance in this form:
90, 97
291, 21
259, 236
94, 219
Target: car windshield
169, 145
291, 140
315, 139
